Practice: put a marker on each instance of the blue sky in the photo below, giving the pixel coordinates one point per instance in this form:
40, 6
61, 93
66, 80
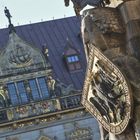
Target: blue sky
24, 11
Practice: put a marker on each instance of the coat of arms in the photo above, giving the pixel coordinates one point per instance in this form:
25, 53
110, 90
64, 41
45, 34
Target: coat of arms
107, 94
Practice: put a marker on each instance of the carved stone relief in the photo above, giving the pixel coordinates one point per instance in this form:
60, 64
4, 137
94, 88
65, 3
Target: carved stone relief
18, 56
79, 133
107, 94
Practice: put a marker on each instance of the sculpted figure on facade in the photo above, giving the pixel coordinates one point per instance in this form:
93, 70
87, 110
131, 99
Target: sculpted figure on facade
51, 84
58, 88
111, 40
7, 14
78, 5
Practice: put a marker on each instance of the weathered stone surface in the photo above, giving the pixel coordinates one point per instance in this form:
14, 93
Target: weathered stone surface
119, 40
130, 10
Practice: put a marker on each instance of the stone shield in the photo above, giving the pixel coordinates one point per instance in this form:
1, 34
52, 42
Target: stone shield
107, 93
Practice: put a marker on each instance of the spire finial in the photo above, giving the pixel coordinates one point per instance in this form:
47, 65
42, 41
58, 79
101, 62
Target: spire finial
8, 15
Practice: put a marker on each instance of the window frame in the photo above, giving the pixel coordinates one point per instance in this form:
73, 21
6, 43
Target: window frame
11, 95
73, 62
21, 92
18, 93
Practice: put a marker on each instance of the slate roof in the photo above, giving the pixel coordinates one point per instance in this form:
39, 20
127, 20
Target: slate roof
54, 34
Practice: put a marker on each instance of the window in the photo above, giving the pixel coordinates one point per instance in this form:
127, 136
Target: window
43, 87
34, 89
73, 63
13, 94
22, 92
19, 94
72, 59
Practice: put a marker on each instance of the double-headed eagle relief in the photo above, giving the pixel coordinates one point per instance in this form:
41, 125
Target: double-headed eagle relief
106, 93
78, 5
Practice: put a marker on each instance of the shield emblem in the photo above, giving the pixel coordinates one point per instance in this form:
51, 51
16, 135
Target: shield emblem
107, 93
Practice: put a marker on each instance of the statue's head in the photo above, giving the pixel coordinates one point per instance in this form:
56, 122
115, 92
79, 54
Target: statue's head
77, 8
66, 3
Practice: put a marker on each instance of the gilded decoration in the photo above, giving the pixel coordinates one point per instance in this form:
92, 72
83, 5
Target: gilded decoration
79, 133
107, 93
28, 92
33, 109
62, 97
58, 88
3, 97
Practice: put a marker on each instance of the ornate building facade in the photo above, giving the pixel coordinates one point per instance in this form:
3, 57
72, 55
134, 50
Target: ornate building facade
42, 69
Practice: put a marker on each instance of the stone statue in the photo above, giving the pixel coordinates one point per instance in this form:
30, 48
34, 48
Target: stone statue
78, 5
8, 15
51, 84
58, 88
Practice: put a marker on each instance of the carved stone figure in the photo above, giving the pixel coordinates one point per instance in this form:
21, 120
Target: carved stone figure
51, 83
78, 5
4, 98
79, 133
115, 32
20, 56
8, 15
58, 88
